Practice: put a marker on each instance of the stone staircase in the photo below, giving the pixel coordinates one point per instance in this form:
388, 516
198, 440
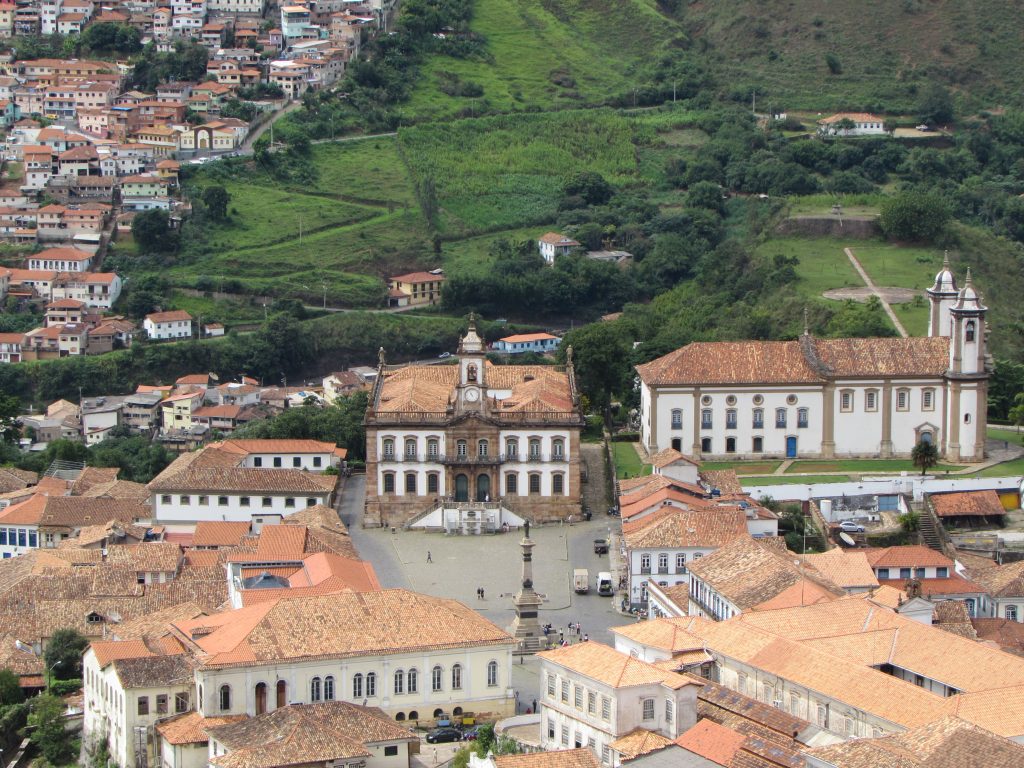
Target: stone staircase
927, 528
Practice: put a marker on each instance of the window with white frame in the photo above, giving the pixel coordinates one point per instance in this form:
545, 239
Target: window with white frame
329, 688
371, 683
551, 686
388, 449
846, 400
482, 447
871, 400
645, 563
410, 447
669, 711
1010, 612
399, 684
577, 694
492, 674
456, 677
315, 689
565, 691
461, 448
606, 708
680, 562
780, 418
412, 681
928, 400
357, 686
591, 703
558, 449
436, 678
677, 418
648, 709
705, 419
757, 420
565, 735
902, 399
432, 448
511, 448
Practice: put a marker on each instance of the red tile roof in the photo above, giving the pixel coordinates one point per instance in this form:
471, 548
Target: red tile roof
967, 504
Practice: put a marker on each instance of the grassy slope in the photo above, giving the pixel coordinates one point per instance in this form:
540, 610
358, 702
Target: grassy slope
884, 47
547, 53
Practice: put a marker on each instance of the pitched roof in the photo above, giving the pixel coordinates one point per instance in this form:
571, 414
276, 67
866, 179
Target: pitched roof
274, 446
237, 479
79, 511
349, 624
749, 574
554, 238
559, 758
638, 742
712, 741
217, 533
166, 317
676, 528
154, 671
606, 665
906, 556
526, 337
192, 727
857, 117
967, 504
846, 569
416, 277
670, 456
305, 734
807, 361
946, 743
1002, 580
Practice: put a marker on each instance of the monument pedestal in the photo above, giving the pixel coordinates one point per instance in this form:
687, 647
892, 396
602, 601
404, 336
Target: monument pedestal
526, 625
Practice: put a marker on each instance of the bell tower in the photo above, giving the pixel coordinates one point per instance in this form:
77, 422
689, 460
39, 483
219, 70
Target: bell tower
472, 390
967, 377
941, 298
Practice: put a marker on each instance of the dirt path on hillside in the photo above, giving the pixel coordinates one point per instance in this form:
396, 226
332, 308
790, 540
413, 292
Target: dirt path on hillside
874, 289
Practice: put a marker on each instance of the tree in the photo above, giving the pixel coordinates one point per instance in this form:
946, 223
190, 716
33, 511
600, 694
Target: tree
151, 232
833, 64
63, 655
216, 200
10, 408
602, 360
915, 216
705, 194
925, 456
10, 688
936, 104
591, 186
50, 736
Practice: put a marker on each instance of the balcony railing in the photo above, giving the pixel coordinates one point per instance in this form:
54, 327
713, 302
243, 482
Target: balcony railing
499, 458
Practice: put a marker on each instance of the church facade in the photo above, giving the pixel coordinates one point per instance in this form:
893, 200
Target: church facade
828, 398
473, 433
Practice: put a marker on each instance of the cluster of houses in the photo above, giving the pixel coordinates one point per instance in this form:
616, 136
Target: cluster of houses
181, 416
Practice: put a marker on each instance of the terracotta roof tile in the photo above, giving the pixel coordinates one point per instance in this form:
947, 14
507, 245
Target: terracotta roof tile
967, 504
559, 758
608, 666
712, 741
849, 570
192, 727
218, 533
674, 527
670, 456
906, 556
638, 742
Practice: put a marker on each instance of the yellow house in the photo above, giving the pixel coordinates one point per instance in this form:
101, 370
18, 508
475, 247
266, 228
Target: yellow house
176, 411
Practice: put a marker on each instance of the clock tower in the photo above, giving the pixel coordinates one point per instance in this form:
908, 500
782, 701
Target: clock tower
472, 390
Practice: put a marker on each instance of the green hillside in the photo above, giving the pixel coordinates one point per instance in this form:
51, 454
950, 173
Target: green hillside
886, 49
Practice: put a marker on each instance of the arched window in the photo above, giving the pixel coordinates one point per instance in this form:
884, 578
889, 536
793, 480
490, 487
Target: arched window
758, 418
511, 448
314, 689
557, 484
511, 484
410, 447
558, 449
482, 447
534, 448
414, 715
969, 331
780, 418
412, 685
432, 448
677, 418
410, 482
705, 445
371, 683
282, 693
730, 418
389, 448
436, 678
801, 418
456, 677
329, 688
261, 698
461, 448
433, 482
225, 698
534, 483
730, 445
399, 681
389, 482
438, 712
357, 686
492, 674
400, 716
705, 419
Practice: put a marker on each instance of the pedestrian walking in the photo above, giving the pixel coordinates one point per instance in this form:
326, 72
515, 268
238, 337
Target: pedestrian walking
534, 705
561, 636
435, 755
482, 593
430, 560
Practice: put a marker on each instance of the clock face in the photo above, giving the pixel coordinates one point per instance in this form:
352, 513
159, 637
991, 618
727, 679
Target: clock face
472, 395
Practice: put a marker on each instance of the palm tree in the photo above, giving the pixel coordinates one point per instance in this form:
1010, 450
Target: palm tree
924, 456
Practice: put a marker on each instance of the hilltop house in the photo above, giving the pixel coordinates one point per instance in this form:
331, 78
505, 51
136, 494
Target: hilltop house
553, 244
852, 124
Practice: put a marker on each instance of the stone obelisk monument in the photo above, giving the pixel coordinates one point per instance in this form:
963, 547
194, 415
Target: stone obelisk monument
526, 626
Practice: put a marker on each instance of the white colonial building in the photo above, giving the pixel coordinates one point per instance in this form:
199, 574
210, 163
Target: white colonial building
472, 433
593, 696
176, 324
827, 398
412, 656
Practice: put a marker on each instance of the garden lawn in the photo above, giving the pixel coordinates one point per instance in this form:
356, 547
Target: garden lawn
744, 467
863, 466
784, 480
1006, 469
895, 265
627, 461
823, 265
365, 170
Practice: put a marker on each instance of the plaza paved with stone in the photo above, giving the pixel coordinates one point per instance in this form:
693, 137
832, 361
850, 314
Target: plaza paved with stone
461, 564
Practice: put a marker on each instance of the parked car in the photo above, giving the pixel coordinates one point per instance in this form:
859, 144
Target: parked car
848, 526
600, 546
470, 734
444, 735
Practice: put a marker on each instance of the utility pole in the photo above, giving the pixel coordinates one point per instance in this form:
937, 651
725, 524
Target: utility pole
753, 102
673, 91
